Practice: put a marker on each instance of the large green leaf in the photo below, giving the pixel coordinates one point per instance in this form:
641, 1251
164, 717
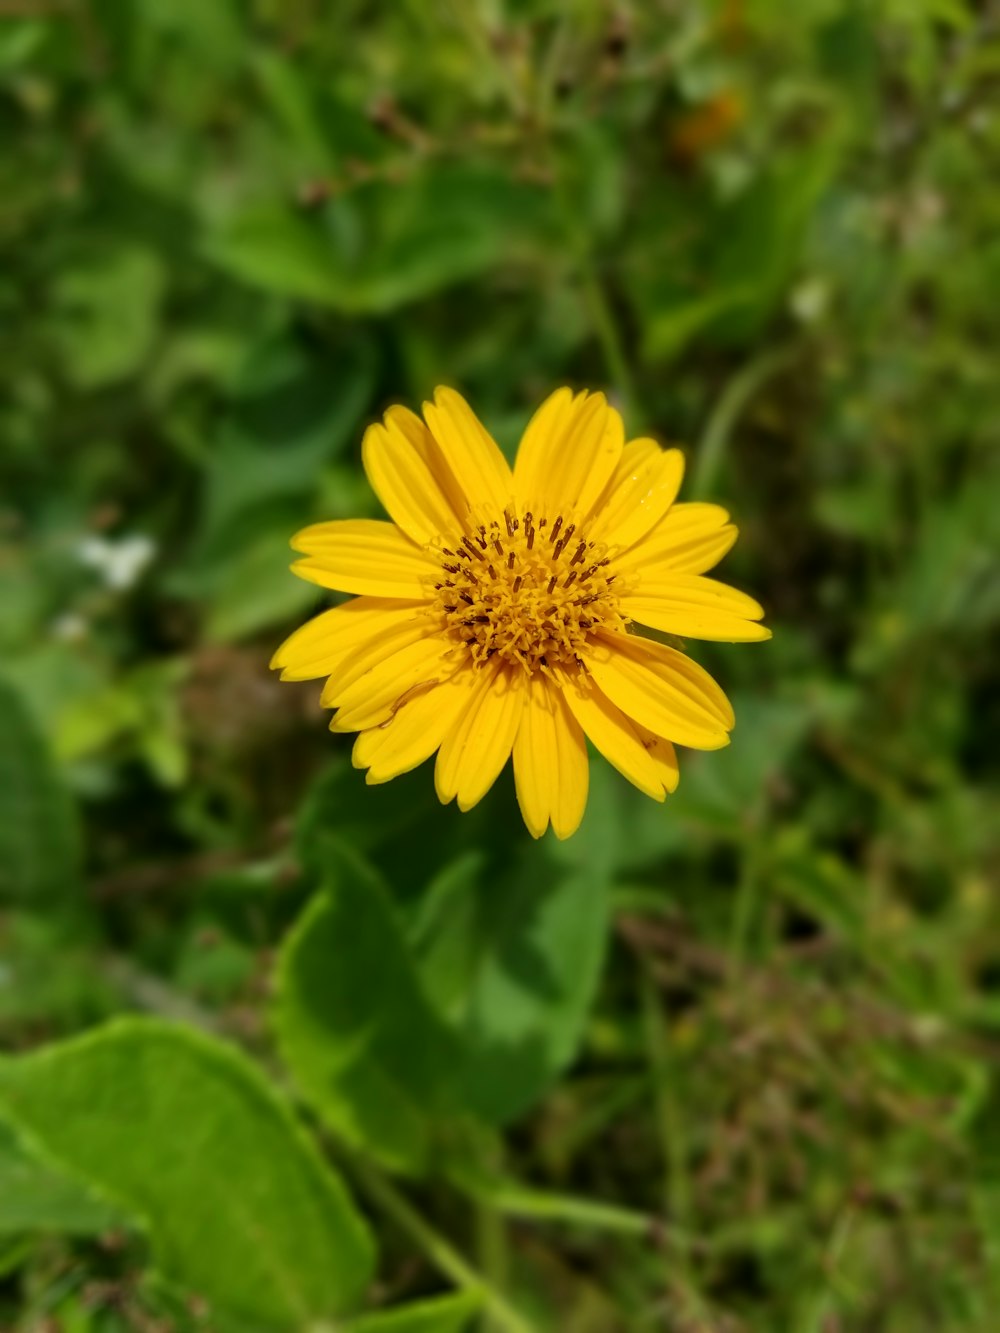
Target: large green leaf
185, 1134
363, 1042
543, 938
508, 934
38, 832
35, 1197
513, 956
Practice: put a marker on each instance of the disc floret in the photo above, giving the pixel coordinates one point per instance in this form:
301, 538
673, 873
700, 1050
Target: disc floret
528, 589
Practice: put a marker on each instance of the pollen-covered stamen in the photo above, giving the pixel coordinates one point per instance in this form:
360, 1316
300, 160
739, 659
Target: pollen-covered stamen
527, 589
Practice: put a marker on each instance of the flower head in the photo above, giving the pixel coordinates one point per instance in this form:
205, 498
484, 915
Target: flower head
496, 613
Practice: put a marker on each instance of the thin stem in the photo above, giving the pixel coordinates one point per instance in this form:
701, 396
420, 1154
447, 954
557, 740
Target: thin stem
438, 1249
491, 1244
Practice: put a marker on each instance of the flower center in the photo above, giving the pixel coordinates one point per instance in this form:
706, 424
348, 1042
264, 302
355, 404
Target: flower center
529, 590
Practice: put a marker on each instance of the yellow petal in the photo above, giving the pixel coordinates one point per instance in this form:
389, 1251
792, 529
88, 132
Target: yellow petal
689, 539
414, 429
618, 739
415, 732
470, 452
687, 623
409, 476
663, 755
546, 430
368, 743
479, 744
569, 452
701, 551
365, 556
693, 606
551, 771
661, 689
634, 457
372, 697
322, 644
642, 490
397, 634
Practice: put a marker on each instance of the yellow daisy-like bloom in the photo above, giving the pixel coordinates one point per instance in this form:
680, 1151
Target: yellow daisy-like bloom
494, 614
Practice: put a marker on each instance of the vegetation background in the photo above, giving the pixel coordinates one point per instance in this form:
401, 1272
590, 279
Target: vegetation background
722, 1066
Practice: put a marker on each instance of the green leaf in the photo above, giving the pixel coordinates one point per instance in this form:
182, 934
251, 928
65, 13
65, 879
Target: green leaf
820, 885
107, 314
952, 581
385, 245
291, 412
34, 1197
443, 932
763, 232
291, 101
862, 510
672, 326
283, 252
508, 939
744, 257
401, 827
184, 1133
543, 938
443, 1314
39, 849
526, 948
731, 788
364, 1044
254, 589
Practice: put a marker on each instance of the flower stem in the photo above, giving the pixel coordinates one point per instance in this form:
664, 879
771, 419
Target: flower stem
437, 1248
491, 1241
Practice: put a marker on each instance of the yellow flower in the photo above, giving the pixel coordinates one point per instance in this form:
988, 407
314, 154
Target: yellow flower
494, 613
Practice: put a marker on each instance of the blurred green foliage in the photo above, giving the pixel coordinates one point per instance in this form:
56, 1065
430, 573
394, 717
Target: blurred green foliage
728, 1065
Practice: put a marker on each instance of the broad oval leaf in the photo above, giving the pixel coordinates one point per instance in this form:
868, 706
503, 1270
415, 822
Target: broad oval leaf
508, 940
513, 956
36, 1197
185, 1134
